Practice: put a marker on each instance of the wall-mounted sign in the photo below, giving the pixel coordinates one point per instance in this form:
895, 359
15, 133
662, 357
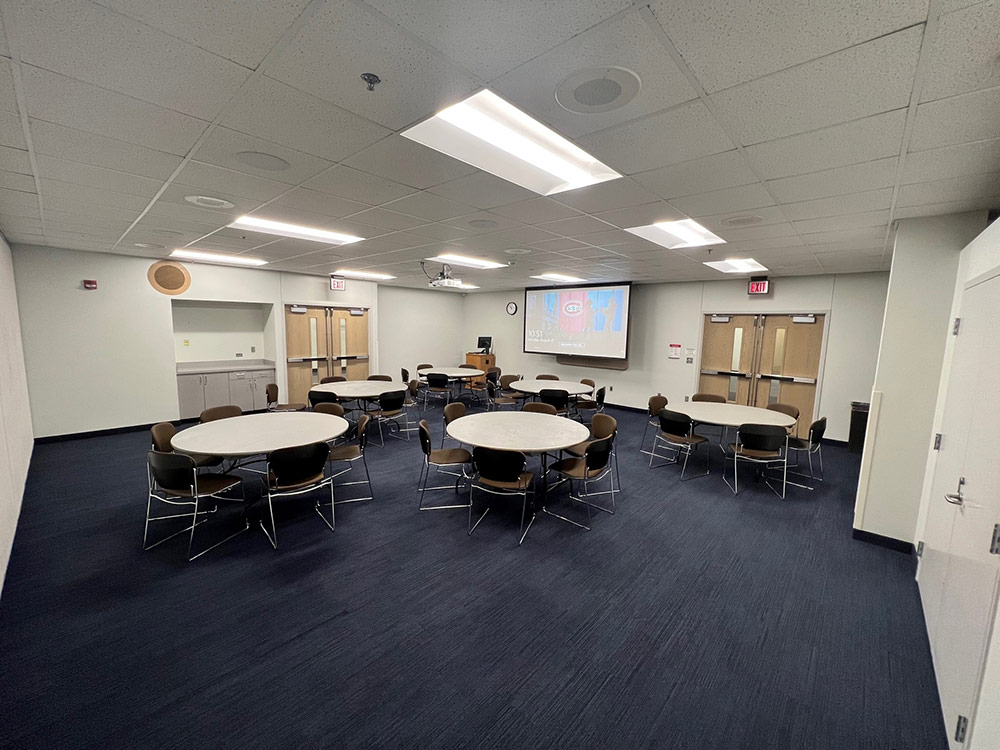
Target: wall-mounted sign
338, 284
758, 286
674, 351
90, 283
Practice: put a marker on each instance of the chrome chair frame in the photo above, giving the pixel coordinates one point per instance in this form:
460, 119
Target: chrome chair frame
425, 471
686, 447
362, 442
326, 481
392, 419
762, 463
606, 471
652, 420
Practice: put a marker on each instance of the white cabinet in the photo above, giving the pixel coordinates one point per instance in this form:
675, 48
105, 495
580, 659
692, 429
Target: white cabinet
260, 380
241, 390
197, 392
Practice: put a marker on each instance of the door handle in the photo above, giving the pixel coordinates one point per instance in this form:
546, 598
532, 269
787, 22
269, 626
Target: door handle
956, 498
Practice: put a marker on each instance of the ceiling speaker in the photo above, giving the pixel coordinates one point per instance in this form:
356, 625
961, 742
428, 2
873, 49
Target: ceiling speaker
598, 90
168, 277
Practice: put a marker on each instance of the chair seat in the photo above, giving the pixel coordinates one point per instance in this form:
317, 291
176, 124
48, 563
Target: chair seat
208, 484
384, 414
345, 453
798, 444
579, 449
274, 485
288, 407
575, 468
450, 456
685, 439
437, 389
753, 452
522, 482
586, 404
201, 460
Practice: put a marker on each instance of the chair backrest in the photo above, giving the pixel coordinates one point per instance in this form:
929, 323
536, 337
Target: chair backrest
492, 389
674, 423
789, 409
171, 471
161, 435
363, 422
506, 380
495, 369
598, 454
468, 367
384, 378
546, 377
493, 376
762, 437
498, 466
404, 374
290, 466
424, 366
333, 379
424, 431
453, 411
603, 426
539, 408
711, 398
321, 397
220, 412
656, 404
437, 380
329, 407
601, 395
588, 381
414, 387
392, 401
558, 398
816, 431
271, 391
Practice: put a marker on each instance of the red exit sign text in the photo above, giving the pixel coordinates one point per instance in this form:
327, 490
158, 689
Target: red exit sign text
337, 284
758, 287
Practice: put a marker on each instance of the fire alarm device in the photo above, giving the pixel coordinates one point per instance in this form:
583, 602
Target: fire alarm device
90, 283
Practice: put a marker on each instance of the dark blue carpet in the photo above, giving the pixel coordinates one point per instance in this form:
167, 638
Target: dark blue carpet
690, 619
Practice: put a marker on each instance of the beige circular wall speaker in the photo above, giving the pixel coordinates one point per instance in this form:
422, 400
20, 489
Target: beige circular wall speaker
168, 277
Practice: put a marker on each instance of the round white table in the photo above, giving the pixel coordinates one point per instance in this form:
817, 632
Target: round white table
353, 389
456, 373
523, 431
255, 434
731, 415
537, 386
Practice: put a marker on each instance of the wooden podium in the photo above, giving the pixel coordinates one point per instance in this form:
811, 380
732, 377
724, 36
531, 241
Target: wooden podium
482, 362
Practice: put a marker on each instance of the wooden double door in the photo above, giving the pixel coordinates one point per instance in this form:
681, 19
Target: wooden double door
759, 360
321, 342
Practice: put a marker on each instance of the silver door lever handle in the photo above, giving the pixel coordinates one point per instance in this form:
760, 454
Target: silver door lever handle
956, 498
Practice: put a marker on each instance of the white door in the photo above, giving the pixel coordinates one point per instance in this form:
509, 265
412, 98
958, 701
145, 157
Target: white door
958, 575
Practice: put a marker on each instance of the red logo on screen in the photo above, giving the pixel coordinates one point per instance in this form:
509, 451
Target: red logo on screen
573, 307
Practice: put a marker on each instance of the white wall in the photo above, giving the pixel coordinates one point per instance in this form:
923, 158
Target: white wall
907, 378
211, 331
15, 416
664, 314
103, 359
416, 326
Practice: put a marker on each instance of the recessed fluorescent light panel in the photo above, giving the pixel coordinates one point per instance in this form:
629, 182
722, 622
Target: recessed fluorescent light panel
468, 286
736, 265
491, 134
266, 226
677, 234
557, 277
461, 260
239, 260
372, 275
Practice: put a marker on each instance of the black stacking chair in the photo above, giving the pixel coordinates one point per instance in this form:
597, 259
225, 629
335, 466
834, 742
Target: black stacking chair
442, 461
556, 398
439, 386
502, 474
295, 471
765, 446
351, 453
677, 433
655, 405
593, 466
812, 446
391, 409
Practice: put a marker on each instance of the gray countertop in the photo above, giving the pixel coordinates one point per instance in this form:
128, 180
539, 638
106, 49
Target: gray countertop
223, 365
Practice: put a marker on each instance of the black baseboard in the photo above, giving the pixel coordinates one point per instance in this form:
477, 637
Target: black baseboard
896, 545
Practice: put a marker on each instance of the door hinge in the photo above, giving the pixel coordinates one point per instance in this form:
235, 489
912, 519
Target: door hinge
920, 549
937, 441
995, 542
958, 324
961, 728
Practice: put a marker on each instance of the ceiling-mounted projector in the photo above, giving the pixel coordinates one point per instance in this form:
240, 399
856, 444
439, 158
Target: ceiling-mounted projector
443, 279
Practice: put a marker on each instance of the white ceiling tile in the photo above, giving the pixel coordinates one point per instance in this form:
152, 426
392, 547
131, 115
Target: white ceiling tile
400, 159
728, 169
416, 81
67, 101
762, 215
175, 192
679, 135
848, 221
942, 209
959, 119
758, 232
844, 235
88, 175
380, 217
727, 43
499, 223
491, 38
869, 200
430, 207
607, 196
482, 190
952, 161
222, 146
844, 246
970, 188
626, 42
727, 200
91, 194
262, 109
187, 212
536, 211
559, 243
76, 145
869, 175
768, 243
11, 199
209, 178
243, 32
11, 131
96, 45
963, 54
359, 186
575, 226
320, 203
4, 49
8, 98
639, 216
15, 160
439, 231
17, 181
872, 138
826, 91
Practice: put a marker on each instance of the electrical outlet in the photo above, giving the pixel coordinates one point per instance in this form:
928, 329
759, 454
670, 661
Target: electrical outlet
253, 349
687, 398
239, 354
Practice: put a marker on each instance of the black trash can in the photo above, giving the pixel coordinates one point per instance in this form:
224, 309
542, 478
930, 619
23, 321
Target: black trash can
859, 421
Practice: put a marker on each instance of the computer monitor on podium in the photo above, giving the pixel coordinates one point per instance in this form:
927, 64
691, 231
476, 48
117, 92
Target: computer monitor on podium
485, 344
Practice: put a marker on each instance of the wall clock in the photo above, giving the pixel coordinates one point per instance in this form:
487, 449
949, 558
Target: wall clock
511, 308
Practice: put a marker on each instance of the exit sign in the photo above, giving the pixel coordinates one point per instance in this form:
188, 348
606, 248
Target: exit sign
337, 284
758, 286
